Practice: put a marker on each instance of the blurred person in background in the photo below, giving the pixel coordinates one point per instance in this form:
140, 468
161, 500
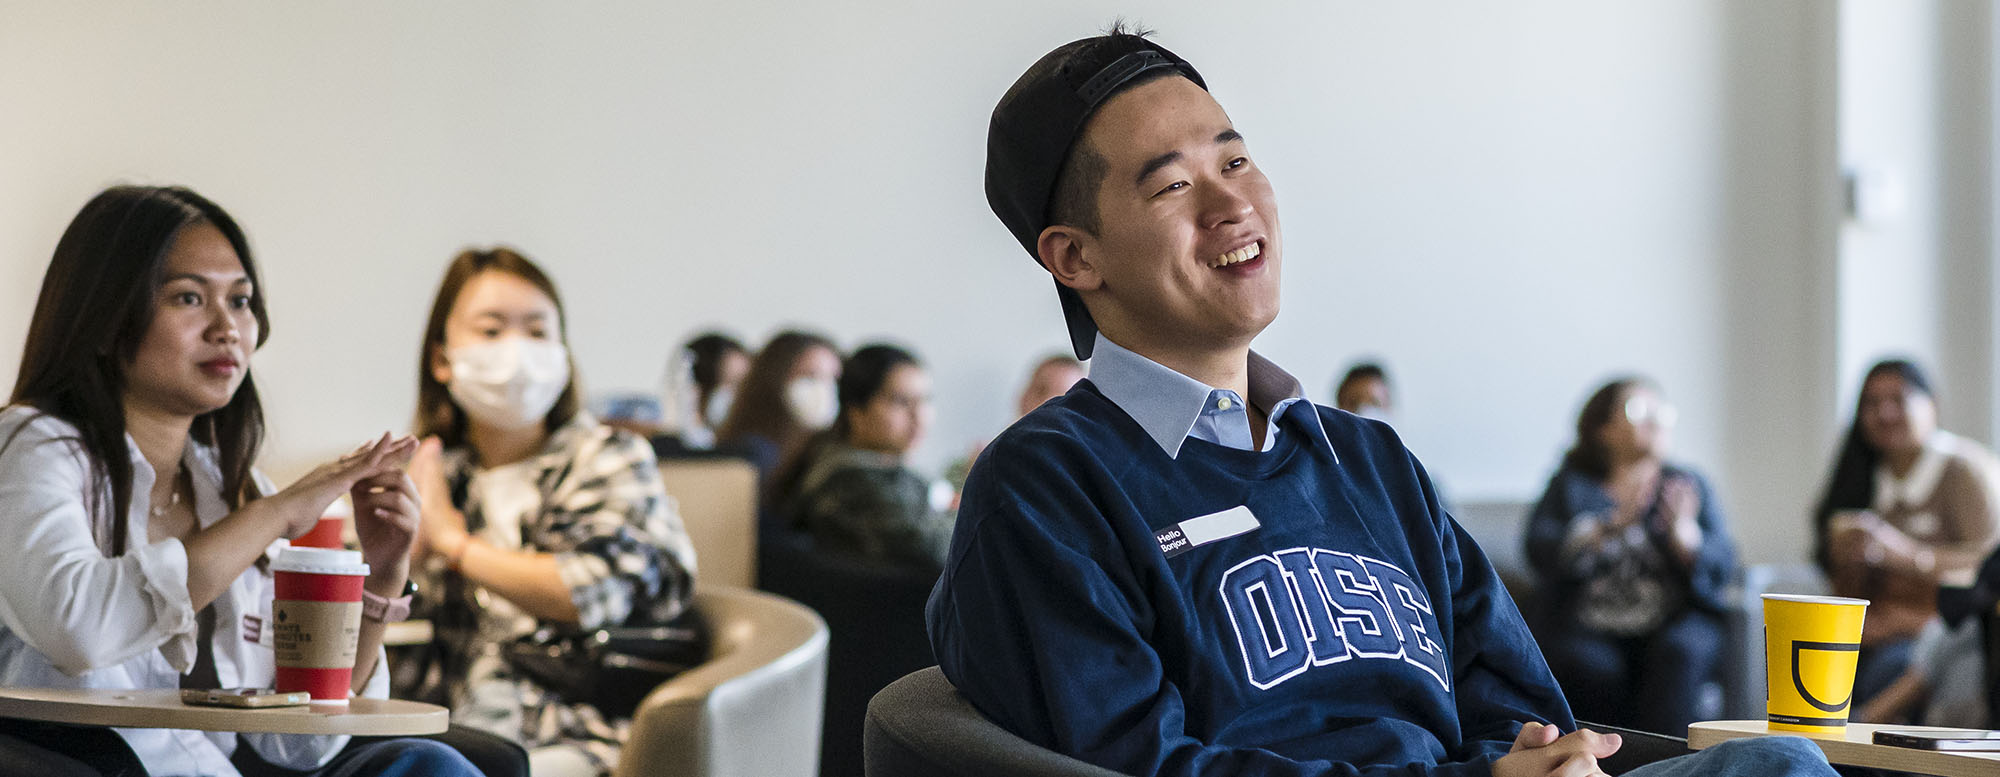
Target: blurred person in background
1633, 558
1944, 683
1050, 378
1364, 391
853, 490
1908, 505
716, 364
786, 397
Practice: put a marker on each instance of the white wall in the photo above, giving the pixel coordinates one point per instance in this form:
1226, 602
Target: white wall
1509, 202
1917, 278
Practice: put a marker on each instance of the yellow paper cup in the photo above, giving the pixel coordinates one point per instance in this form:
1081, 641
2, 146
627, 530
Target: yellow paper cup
1811, 644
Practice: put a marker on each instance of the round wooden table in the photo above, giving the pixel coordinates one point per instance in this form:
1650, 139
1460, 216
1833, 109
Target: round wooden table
1857, 748
406, 633
162, 708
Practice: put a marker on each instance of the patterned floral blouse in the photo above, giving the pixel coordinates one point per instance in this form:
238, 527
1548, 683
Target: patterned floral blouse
593, 498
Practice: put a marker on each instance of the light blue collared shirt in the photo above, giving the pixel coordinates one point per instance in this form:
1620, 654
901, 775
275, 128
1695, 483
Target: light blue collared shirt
1172, 407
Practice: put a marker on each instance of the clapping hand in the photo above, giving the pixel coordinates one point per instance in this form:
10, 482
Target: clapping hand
386, 513
1861, 538
443, 526
303, 502
1681, 515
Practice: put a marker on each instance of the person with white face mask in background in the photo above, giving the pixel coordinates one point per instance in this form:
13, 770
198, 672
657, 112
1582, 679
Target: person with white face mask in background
788, 395
534, 514
852, 490
1364, 391
704, 377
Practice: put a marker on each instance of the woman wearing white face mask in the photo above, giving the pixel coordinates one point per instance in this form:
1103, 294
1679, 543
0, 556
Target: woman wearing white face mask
715, 364
852, 490
787, 396
534, 514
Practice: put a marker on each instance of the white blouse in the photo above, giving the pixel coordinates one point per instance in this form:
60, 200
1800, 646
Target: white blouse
73, 617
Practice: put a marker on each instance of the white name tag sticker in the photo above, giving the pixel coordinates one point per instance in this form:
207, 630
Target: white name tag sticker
1196, 532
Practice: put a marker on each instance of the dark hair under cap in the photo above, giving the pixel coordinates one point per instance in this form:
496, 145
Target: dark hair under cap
1039, 120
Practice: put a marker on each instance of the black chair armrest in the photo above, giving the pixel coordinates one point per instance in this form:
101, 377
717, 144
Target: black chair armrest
920, 727
30, 747
1639, 748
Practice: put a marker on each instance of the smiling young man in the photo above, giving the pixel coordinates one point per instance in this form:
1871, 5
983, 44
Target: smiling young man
1182, 566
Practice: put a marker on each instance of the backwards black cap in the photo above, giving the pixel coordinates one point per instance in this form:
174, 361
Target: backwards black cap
1040, 119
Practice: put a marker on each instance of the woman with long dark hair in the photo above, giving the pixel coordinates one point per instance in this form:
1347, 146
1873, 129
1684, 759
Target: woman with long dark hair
535, 516
1632, 556
136, 524
788, 395
1908, 505
852, 489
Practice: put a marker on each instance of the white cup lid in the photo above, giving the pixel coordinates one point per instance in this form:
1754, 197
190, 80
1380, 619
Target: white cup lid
1812, 599
323, 561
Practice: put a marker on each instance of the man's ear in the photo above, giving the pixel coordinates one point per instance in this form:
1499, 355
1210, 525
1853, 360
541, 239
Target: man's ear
1065, 252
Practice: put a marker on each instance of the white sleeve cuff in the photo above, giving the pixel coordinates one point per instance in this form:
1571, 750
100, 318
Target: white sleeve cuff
163, 572
377, 686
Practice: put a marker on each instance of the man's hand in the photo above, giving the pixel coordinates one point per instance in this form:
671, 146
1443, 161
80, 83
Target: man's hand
1544, 751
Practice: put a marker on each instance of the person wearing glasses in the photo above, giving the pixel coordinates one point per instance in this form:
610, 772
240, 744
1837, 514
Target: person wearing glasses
1632, 558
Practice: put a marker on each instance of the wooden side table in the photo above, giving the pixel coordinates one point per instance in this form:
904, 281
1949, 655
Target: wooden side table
162, 708
1858, 748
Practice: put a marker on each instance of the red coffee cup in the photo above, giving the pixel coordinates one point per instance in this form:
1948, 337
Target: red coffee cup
325, 534
316, 620
328, 533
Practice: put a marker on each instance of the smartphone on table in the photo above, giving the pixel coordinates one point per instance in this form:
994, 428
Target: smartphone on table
1945, 740
244, 697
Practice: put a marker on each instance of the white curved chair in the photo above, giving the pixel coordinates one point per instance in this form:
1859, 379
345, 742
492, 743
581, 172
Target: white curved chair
752, 710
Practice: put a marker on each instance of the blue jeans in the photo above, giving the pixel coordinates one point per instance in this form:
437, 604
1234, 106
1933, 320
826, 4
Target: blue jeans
406, 757
1880, 665
1753, 757
1651, 682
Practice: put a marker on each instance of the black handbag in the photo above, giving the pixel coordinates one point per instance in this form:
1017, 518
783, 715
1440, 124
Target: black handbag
612, 669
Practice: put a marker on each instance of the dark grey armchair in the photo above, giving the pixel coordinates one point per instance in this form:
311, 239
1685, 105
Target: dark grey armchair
920, 727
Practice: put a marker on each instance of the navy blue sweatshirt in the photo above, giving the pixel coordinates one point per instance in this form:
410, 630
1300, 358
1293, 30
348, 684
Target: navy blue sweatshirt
1308, 610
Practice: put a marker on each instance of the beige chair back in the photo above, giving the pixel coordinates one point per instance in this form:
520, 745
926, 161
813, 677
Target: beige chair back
752, 710
717, 498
